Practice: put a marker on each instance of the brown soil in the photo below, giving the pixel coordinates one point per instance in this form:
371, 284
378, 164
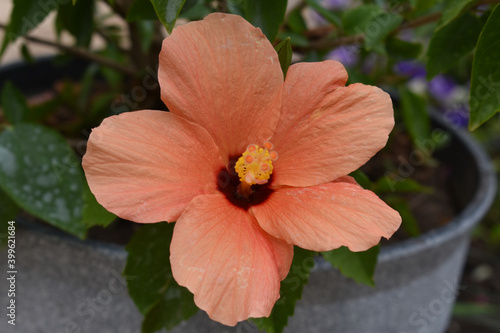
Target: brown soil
431, 210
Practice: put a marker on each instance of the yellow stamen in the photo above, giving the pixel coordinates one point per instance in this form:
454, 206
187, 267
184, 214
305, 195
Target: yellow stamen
255, 166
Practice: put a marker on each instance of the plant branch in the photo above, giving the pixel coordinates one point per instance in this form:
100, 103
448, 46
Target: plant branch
329, 43
80, 53
324, 44
423, 20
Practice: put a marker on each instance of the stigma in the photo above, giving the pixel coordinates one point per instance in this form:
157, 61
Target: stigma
255, 166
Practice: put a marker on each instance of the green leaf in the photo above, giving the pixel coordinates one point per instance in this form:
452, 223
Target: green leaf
387, 184
93, 212
409, 223
485, 81
296, 21
25, 16
40, 172
141, 10
284, 50
295, 39
356, 75
236, 7
77, 19
452, 9
355, 20
147, 33
168, 11
100, 106
480, 310
378, 28
398, 49
112, 76
359, 266
87, 83
14, 104
175, 305
267, 15
484, 17
148, 272
150, 282
27, 56
197, 12
290, 292
311, 56
362, 179
190, 4
8, 211
371, 21
424, 5
415, 116
452, 42
329, 16
8, 208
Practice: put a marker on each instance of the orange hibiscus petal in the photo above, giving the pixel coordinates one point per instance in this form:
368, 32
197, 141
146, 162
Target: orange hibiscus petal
227, 261
325, 217
146, 166
223, 74
327, 130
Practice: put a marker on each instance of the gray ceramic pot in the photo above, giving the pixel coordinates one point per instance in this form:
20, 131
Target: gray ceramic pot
66, 285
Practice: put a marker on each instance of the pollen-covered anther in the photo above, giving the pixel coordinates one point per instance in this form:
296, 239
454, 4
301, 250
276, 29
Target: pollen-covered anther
255, 165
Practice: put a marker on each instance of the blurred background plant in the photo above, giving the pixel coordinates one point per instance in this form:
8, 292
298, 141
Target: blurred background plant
438, 55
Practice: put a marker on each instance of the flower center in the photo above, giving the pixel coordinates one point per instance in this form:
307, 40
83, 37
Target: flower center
255, 166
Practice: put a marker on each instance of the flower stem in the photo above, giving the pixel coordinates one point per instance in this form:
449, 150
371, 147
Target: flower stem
129, 70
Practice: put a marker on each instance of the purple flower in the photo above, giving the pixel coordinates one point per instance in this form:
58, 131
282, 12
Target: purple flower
410, 68
457, 115
370, 62
442, 87
335, 4
407, 35
348, 55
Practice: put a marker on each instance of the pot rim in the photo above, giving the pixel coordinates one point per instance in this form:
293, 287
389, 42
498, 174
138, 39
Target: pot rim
465, 220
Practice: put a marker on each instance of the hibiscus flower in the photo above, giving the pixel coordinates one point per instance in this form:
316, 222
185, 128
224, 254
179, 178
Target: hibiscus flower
247, 163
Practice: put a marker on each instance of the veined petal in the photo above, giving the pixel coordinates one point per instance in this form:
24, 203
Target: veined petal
325, 217
146, 166
227, 261
327, 130
223, 74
